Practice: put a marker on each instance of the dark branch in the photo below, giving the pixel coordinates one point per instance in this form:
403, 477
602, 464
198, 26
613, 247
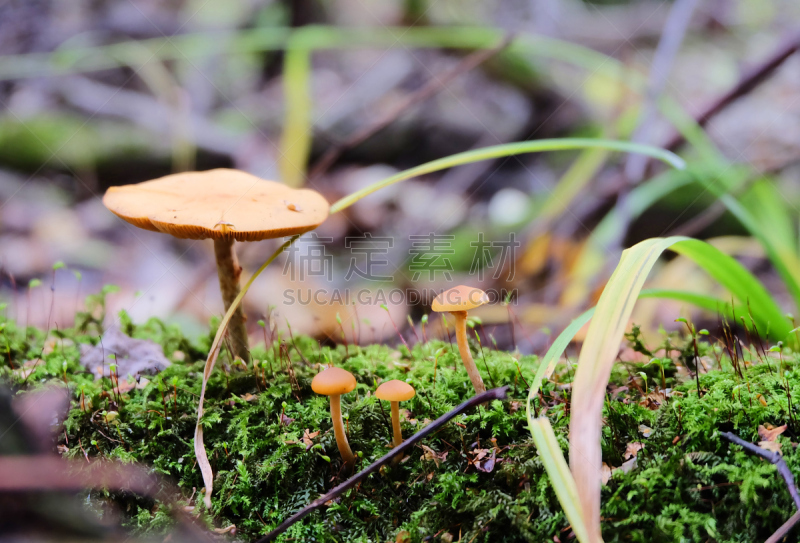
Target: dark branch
493, 394
783, 531
772, 457
749, 82
434, 86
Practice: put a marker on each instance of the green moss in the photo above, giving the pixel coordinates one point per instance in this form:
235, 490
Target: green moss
271, 446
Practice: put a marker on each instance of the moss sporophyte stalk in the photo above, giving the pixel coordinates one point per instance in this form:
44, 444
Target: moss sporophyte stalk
273, 447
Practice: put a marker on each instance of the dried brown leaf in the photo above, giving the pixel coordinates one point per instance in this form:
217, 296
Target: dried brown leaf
632, 449
767, 432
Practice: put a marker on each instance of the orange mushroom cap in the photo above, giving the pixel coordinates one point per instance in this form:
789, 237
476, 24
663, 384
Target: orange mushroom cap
217, 204
333, 381
459, 298
395, 391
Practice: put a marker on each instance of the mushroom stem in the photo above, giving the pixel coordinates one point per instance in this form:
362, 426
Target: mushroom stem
228, 270
466, 355
398, 437
338, 431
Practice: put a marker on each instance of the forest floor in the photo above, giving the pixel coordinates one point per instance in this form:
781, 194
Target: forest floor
670, 476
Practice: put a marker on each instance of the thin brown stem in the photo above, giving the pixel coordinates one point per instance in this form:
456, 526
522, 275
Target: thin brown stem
466, 355
338, 431
229, 271
398, 436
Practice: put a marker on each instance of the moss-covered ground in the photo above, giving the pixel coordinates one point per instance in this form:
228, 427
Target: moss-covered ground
271, 446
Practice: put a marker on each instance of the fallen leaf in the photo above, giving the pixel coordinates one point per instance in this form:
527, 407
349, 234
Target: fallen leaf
133, 356
653, 400
633, 449
227, 530
430, 454
486, 465
308, 436
606, 473
286, 420
767, 432
626, 466
645, 430
773, 446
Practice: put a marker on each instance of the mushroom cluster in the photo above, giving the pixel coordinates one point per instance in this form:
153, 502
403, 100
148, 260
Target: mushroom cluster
226, 206
334, 382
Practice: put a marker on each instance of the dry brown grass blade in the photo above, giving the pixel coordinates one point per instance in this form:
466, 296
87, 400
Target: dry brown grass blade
199, 445
594, 370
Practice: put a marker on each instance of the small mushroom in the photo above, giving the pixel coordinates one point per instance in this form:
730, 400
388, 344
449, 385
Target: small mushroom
334, 382
226, 206
458, 300
395, 391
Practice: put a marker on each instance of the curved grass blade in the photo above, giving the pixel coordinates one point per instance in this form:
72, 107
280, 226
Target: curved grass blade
509, 149
560, 477
703, 301
786, 262
602, 343
754, 298
548, 363
296, 137
199, 446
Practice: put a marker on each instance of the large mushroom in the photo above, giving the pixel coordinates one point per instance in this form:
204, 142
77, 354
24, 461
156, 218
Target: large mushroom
226, 206
458, 300
334, 382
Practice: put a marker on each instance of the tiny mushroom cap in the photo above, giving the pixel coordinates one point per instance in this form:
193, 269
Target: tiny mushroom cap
218, 204
459, 298
395, 391
333, 382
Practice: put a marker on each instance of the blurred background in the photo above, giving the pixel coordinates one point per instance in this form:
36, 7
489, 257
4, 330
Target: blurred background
336, 94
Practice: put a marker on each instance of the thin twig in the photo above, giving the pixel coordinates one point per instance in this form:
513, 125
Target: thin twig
781, 532
747, 83
431, 88
493, 394
772, 457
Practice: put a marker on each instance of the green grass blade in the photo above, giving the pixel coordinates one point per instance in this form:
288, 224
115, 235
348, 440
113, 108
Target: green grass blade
641, 198
548, 362
786, 262
509, 149
750, 294
297, 133
603, 339
703, 301
560, 477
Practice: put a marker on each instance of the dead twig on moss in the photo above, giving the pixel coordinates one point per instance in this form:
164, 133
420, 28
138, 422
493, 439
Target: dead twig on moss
783, 470
746, 84
493, 394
